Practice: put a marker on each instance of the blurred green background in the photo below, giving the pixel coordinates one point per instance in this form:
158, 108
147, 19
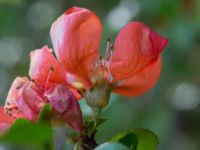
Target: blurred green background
171, 109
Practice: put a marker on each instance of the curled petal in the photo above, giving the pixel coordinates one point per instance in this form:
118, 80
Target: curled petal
76, 38
136, 46
24, 99
141, 82
66, 105
44, 68
31, 101
5, 120
13, 97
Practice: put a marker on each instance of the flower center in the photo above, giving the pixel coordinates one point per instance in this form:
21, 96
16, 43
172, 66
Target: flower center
100, 76
100, 73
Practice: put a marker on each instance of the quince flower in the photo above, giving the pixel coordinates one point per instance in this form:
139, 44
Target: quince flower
130, 67
26, 98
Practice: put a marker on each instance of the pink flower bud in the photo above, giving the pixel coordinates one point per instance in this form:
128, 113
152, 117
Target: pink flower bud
66, 105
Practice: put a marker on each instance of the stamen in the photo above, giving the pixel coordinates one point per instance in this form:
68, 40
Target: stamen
111, 46
110, 57
98, 62
109, 52
100, 57
77, 85
107, 49
108, 38
108, 65
116, 84
51, 69
120, 82
32, 80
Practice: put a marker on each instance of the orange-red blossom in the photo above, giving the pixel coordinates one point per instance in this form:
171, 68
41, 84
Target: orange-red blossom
130, 67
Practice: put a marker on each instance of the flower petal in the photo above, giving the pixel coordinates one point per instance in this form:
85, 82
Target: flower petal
141, 82
136, 46
24, 99
31, 101
66, 105
44, 68
13, 97
5, 120
76, 39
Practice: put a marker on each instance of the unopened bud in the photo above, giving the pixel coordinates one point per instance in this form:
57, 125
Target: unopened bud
98, 97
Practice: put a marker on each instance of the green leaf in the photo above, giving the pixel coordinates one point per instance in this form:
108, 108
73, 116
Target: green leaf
24, 132
147, 140
139, 139
127, 138
45, 114
100, 121
111, 146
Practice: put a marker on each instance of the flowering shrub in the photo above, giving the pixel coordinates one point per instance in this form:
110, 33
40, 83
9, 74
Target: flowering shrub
131, 66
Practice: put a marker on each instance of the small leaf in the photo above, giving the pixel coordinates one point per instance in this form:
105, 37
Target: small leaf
147, 140
130, 140
45, 114
91, 126
100, 121
127, 138
111, 146
139, 139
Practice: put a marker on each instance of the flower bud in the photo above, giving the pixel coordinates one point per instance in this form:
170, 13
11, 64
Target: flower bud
98, 97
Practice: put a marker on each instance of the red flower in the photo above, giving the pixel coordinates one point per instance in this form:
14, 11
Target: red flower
49, 75
26, 98
46, 71
43, 65
131, 67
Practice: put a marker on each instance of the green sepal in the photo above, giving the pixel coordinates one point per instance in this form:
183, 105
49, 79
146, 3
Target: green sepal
91, 126
45, 114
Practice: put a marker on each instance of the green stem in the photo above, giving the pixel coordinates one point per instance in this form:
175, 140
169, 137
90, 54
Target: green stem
96, 113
